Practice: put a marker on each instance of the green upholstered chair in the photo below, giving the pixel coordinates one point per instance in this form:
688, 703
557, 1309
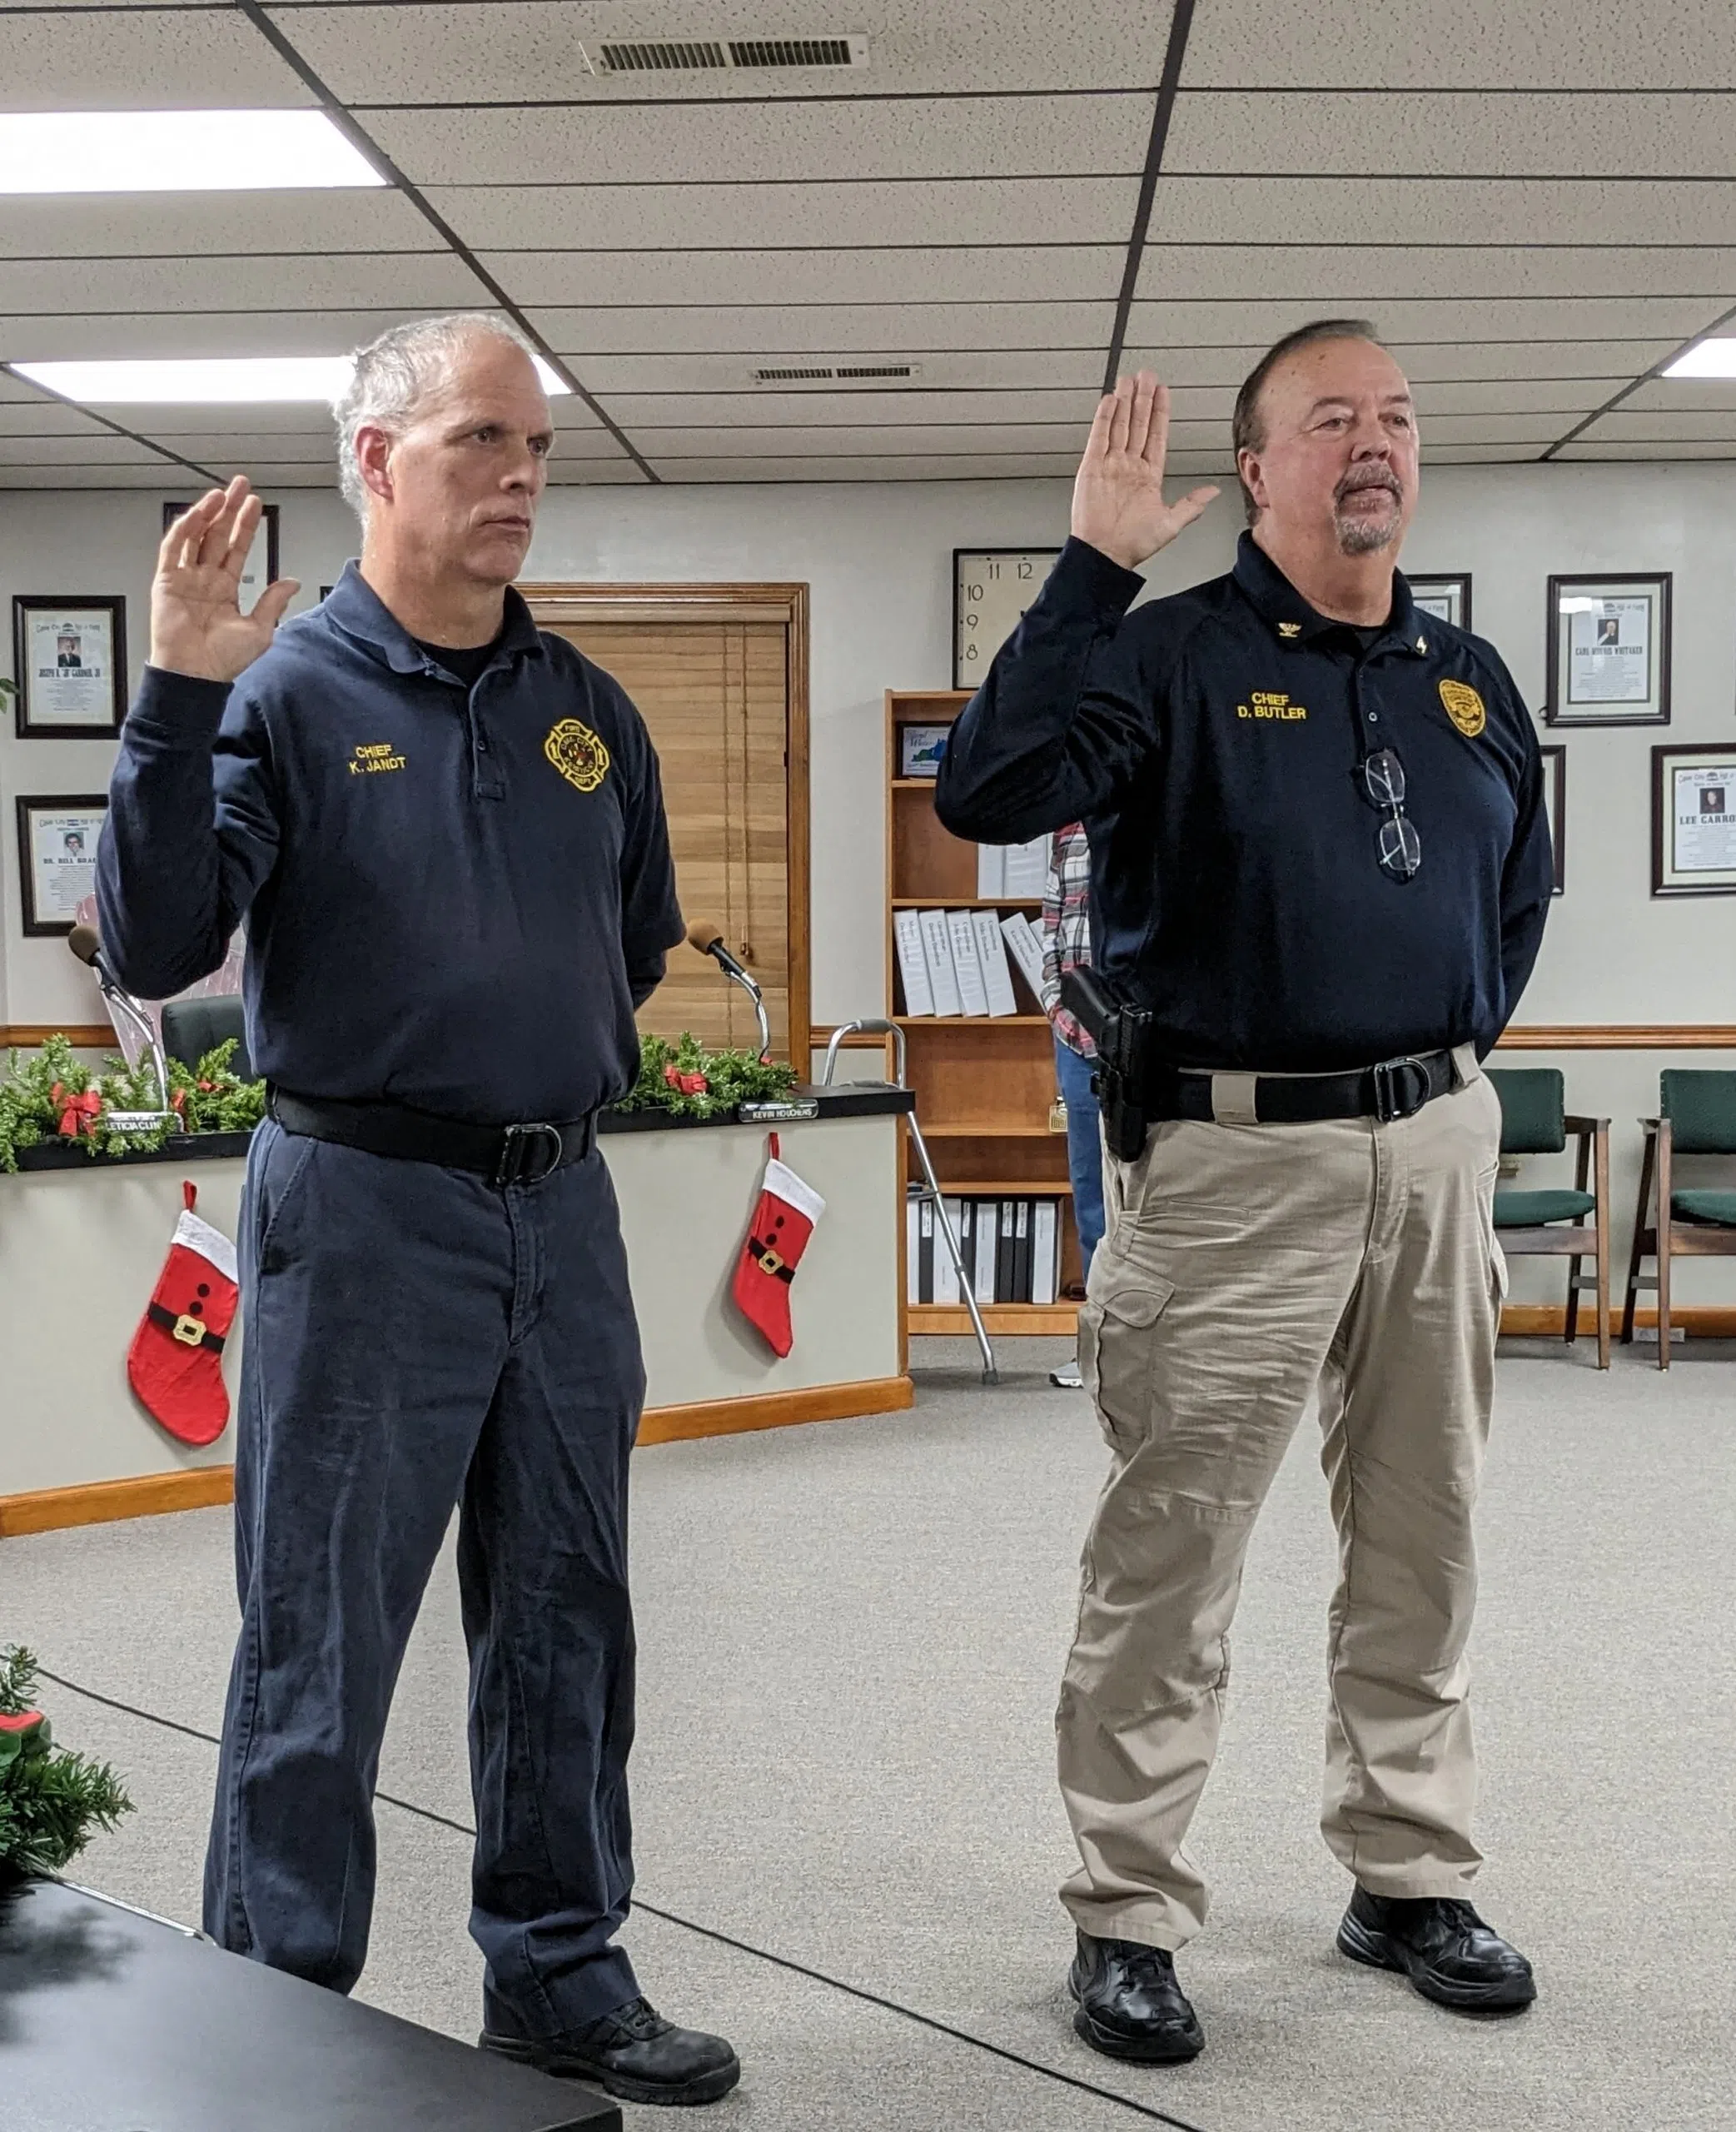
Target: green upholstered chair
1559, 1223
1696, 1116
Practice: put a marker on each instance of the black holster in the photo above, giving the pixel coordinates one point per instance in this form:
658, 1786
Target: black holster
1122, 1034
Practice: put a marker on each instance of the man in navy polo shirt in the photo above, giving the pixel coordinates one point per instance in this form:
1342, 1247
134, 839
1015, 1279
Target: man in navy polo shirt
1321, 862
446, 831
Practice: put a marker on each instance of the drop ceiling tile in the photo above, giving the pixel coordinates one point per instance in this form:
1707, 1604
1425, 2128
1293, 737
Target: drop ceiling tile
883, 440
1435, 320
100, 449
306, 282
80, 334
510, 49
1569, 396
1306, 210
159, 474
618, 472
43, 417
913, 274
1487, 455
179, 420
1004, 370
747, 330
599, 144
1426, 363
718, 217
177, 225
241, 449
1628, 425
967, 467
1487, 133
694, 409
1442, 432
1684, 395
148, 60
1354, 277
1544, 44
1660, 454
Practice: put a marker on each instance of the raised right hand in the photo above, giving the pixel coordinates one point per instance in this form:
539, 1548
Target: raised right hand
197, 627
1118, 503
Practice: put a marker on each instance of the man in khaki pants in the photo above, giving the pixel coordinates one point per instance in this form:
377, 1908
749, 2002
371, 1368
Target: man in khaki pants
1321, 862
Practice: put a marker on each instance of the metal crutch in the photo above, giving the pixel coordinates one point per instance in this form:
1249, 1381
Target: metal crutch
930, 1188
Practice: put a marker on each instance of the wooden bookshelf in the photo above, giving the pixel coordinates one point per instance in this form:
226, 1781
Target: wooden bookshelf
983, 1086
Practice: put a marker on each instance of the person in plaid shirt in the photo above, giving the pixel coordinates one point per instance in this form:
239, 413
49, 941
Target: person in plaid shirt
1066, 945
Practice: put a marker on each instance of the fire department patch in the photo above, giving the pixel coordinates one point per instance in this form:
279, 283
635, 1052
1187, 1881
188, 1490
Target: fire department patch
1465, 707
580, 755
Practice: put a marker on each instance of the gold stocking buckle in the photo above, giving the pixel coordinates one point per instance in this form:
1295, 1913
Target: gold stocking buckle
188, 1331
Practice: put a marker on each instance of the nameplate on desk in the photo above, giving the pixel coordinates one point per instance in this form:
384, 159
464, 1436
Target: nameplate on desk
774, 1112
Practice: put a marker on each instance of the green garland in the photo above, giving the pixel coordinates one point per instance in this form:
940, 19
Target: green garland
687, 1079
52, 1802
210, 1099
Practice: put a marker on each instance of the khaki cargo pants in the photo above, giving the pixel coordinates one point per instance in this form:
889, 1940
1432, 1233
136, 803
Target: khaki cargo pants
1245, 1265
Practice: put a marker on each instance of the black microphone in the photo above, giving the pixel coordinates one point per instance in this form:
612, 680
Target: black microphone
708, 939
85, 942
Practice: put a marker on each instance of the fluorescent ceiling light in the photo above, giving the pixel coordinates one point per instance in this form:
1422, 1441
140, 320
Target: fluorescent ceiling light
1709, 359
175, 152
209, 380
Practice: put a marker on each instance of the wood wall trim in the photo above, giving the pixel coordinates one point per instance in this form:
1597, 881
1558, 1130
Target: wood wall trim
776, 1410
84, 1036
198, 1487
1622, 1036
100, 1502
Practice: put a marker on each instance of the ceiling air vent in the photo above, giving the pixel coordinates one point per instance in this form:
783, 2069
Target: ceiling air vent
708, 55
835, 373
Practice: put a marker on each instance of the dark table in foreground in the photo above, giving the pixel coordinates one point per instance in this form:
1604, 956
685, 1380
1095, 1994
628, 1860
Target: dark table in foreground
111, 2021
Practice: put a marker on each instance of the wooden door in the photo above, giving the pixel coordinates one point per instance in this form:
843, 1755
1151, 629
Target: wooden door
714, 689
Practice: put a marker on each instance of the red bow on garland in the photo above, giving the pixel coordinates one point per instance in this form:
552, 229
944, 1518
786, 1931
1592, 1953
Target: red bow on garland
23, 1720
688, 1085
77, 1113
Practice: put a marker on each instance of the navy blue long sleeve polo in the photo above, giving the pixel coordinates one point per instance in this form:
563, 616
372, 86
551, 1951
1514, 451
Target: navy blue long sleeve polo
453, 896
1211, 743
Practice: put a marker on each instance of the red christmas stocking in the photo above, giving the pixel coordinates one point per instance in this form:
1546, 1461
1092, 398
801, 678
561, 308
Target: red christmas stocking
175, 1364
777, 1236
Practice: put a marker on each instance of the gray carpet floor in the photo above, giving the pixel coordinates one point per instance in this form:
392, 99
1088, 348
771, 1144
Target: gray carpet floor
851, 1635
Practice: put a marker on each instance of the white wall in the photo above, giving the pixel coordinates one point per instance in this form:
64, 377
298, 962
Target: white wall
878, 560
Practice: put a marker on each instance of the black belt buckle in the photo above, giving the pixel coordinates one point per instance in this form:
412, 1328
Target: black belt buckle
515, 1144
1393, 1089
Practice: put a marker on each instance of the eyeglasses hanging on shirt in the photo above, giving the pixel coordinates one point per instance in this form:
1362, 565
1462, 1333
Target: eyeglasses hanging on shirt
1383, 779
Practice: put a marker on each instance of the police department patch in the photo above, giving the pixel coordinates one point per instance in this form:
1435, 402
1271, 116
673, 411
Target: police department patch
1465, 707
580, 755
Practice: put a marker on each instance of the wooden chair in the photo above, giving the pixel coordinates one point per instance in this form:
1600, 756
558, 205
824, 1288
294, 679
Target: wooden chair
1696, 1116
1534, 1121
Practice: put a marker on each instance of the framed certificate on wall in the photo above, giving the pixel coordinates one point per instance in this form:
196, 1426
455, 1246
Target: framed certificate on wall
991, 588
1693, 821
70, 658
57, 857
1609, 651
1447, 599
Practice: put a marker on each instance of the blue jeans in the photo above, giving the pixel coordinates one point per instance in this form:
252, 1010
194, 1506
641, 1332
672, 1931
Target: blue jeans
417, 1340
1084, 1147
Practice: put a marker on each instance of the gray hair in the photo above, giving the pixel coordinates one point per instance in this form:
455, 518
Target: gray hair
395, 373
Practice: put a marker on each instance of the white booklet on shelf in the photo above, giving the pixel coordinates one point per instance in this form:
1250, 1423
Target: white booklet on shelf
1026, 948
912, 962
1025, 869
937, 953
972, 999
1045, 1251
992, 954
991, 870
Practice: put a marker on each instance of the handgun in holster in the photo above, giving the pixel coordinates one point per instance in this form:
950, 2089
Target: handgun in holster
1122, 1034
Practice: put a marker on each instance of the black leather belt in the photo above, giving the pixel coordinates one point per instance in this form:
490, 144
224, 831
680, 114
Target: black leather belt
1397, 1087
504, 1154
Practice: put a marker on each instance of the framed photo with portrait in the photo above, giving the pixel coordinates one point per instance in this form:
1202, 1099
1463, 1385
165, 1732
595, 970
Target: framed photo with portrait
262, 564
1447, 599
69, 656
1609, 651
57, 857
1554, 806
920, 749
1693, 821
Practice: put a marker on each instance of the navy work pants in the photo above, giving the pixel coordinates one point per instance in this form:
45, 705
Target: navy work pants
416, 1340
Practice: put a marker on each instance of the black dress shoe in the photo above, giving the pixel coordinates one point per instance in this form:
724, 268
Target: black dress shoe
1443, 1946
1130, 2003
633, 2053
